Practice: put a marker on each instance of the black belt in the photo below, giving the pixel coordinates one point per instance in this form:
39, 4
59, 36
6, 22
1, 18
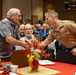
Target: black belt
69, 49
72, 48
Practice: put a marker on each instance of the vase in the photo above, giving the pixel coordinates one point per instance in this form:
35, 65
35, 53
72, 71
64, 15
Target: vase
34, 65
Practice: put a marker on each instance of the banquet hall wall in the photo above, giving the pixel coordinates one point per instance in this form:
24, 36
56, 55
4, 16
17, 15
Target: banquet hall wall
28, 8
39, 7
59, 6
0, 9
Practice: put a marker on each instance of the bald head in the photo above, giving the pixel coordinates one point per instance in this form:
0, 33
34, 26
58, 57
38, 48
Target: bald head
21, 30
22, 26
28, 25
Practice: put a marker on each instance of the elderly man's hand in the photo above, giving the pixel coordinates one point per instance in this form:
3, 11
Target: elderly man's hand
26, 44
74, 51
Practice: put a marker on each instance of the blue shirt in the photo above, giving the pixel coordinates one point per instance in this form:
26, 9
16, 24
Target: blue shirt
41, 33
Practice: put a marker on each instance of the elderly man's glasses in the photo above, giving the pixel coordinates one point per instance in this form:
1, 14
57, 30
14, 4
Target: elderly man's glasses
19, 15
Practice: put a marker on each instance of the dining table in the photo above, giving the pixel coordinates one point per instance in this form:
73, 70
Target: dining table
63, 68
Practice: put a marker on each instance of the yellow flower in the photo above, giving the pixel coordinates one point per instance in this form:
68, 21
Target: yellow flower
28, 56
31, 58
37, 56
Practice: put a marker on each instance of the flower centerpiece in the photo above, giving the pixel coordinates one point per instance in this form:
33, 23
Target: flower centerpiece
34, 54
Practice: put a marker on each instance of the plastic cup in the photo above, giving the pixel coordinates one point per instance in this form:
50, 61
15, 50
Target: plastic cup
14, 68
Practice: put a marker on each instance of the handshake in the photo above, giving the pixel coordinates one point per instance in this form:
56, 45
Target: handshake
36, 44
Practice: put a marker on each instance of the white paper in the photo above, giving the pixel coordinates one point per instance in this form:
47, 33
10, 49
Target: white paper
13, 73
75, 73
46, 62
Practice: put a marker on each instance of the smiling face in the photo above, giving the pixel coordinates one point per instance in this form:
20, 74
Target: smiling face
21, 30
16, 18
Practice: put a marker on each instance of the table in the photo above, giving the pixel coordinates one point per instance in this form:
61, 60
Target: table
64, 68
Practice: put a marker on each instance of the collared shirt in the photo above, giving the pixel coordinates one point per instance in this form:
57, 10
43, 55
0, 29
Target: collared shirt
7, 28
65, 33
25, 38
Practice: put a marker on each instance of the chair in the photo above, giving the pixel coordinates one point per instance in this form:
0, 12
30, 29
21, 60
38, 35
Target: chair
19, 58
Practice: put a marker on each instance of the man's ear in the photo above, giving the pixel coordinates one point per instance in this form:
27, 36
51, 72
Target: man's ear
12, 16
54, 20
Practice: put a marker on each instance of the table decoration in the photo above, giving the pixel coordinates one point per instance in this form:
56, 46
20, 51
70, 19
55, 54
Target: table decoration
41, 71
34, 54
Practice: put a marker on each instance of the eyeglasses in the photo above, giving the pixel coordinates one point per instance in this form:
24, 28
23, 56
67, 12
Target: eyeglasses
19, 15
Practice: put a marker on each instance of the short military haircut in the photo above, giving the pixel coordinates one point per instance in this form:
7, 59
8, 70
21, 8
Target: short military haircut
51, 13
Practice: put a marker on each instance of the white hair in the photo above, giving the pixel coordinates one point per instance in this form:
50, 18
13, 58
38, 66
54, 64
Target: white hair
28, 25
12, 11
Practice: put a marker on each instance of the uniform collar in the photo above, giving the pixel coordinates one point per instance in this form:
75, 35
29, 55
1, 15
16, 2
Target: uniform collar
61, 24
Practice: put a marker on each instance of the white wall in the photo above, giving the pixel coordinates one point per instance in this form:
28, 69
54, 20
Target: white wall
25, 7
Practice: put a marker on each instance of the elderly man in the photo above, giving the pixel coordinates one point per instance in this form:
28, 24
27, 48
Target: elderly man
28, 36
9, 34
63, 31
28, 33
